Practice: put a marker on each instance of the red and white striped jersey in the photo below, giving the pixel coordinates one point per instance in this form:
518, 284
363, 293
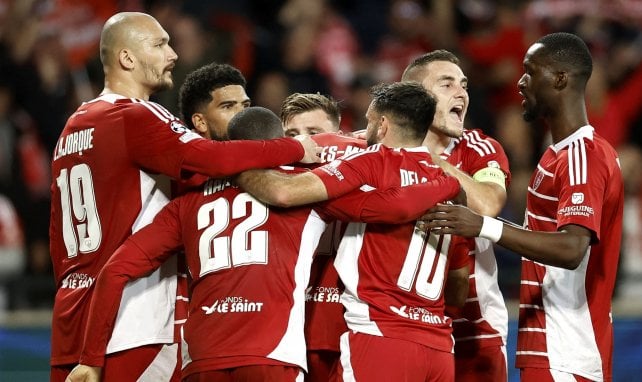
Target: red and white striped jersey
249, 267
324, 322
565, 315
393, 274
483, 321
106, 185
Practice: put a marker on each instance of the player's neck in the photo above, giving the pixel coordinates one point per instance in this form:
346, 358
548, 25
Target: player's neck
435, 142
124, 88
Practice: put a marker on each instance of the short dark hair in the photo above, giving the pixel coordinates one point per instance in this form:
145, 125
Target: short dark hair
568, 52
298, 103
255, 123
423, 60
407, 104
195, 93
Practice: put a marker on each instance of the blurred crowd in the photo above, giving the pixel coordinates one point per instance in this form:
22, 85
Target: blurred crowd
49, 64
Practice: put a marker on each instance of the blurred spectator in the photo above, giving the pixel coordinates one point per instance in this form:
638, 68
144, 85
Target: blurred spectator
355, 105
12, 249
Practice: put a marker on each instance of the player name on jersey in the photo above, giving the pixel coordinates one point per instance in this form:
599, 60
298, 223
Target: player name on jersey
76, 142
330, 153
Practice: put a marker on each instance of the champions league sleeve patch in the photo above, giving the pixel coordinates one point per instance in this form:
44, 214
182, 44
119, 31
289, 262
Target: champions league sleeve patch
186, 134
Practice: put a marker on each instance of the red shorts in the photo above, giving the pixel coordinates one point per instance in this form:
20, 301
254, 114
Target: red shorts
320, 365
367, 358
487, 364
155, 362
264, 373
531, 374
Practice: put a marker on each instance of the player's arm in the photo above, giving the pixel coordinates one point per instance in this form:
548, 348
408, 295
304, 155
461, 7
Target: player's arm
565, 248
457, 283
456, 289
138, 256
485, 190
283, 190
394, 205
323, 183
219, 159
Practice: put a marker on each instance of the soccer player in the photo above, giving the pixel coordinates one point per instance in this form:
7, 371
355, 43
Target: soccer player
107, 184
571, 243
249, 266
210, 96
478, 161
394, 275
309, 113
318, 115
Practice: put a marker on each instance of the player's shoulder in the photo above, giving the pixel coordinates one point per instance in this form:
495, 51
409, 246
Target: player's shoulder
478, 141
334, 139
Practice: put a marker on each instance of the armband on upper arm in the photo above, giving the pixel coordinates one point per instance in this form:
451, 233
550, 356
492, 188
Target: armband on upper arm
491, 174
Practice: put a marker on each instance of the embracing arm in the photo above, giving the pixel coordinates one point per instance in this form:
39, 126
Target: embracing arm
283, 190
394, 205
484, 197
565, 248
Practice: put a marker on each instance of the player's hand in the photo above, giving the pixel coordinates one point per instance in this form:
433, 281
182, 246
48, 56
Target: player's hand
359, 134
84, 373
452, 219
312, 150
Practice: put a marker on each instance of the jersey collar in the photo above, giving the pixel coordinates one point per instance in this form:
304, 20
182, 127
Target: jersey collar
585, 131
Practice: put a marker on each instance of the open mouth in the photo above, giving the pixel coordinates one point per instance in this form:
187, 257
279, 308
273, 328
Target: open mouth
458, 113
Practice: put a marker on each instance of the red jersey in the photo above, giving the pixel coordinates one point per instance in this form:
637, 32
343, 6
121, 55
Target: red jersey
565, 315
483, 321
105, 186
249, 267
324, 322
394, 275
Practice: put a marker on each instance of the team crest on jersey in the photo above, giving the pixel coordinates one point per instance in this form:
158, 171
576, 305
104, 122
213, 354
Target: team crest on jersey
577, 198
538, 179
493, 164
178, 127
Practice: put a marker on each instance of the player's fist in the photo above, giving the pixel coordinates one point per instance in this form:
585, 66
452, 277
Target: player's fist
84, 373
312, 150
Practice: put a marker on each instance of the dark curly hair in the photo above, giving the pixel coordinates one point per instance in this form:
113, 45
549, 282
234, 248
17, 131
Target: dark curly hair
195, 93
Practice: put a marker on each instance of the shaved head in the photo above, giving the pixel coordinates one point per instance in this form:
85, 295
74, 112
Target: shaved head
121, 31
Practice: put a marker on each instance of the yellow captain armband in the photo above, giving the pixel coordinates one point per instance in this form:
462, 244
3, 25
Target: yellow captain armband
491, 174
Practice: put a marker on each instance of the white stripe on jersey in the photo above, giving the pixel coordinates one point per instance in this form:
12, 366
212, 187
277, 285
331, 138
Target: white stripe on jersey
160, 113
540, 353
542, 196
540, 330
530, 306
479, 337
542, 218
533, 283
577, 162
541, 169
475, 142
368, 150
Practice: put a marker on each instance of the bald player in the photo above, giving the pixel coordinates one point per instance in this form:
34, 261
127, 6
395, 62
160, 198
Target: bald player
111, 169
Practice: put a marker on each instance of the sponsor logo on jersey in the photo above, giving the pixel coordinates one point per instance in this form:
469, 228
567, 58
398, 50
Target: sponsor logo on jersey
577, 198
233, 304
576, 211
331, 169
77, 281
418, 314
322, 294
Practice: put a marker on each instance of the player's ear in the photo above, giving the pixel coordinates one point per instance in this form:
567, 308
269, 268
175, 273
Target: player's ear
199, 123
126, 59
384, 127
561, 80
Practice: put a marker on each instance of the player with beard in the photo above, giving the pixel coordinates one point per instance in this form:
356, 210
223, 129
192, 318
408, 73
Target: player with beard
106, 186
479, 162
571, 240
